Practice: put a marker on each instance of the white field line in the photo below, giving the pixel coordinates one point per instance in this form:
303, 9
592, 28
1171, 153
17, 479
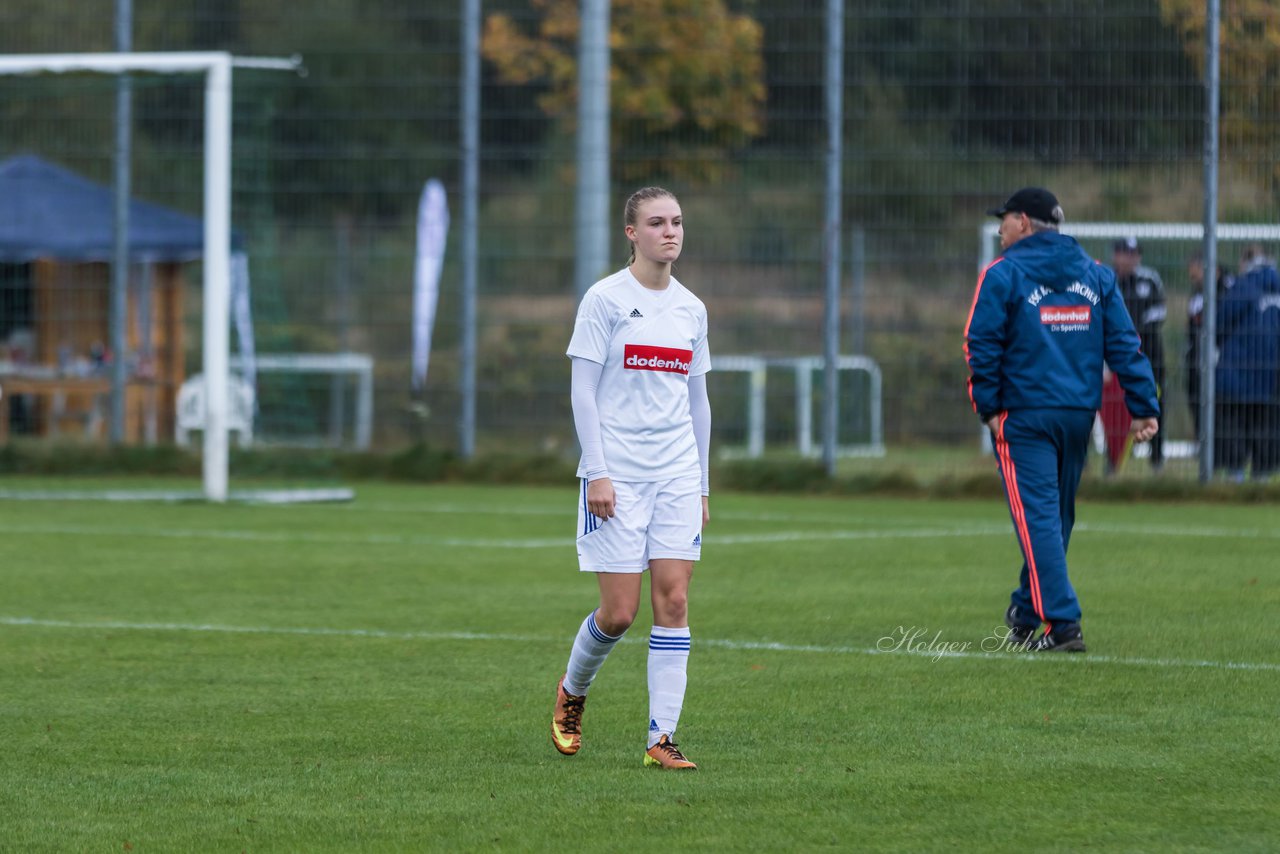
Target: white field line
912, 650
558, 510
565, 542
977, 528
562, 542
214, 628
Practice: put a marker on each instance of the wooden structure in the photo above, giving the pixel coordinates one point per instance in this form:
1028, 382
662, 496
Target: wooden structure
70, 318
56, 228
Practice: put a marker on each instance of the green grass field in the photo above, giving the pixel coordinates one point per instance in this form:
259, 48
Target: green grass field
379, 676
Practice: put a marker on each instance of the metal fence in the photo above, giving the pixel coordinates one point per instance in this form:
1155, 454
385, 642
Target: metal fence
947, 108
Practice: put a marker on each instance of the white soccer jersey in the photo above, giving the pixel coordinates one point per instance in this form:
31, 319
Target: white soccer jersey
649, 342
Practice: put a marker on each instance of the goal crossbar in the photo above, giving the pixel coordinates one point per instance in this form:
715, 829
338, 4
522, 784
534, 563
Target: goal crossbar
990, 233
216, 66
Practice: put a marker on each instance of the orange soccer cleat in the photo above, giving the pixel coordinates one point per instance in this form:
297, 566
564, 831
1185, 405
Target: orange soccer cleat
566, 721
666, 755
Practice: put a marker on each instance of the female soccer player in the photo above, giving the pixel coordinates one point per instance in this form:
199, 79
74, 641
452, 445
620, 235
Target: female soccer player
639, 394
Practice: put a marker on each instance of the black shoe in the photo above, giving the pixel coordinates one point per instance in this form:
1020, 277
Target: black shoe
1020, 634
1064, 638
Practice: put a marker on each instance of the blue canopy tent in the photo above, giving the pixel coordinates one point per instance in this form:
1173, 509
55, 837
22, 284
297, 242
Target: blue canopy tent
56, 241
48, 212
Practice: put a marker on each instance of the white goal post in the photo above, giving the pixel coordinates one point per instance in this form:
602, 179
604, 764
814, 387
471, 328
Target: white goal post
216, 66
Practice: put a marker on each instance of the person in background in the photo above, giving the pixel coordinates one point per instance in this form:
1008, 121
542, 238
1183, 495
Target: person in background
1144, 297
1248, 369
1044, 318
1195, 329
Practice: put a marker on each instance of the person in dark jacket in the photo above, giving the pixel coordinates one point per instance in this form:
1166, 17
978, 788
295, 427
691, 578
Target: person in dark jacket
1195, 331
1143, 293
1248, 370
1044, 318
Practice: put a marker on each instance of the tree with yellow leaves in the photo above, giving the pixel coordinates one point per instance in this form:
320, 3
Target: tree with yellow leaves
1250, 65
686, 81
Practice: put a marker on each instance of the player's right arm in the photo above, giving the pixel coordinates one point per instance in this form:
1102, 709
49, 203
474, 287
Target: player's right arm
588, 350
585, 382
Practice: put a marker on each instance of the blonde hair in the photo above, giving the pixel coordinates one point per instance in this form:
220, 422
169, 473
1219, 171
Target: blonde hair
631, 211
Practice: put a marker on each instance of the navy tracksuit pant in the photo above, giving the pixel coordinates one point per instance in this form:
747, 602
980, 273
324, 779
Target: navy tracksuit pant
1041, 455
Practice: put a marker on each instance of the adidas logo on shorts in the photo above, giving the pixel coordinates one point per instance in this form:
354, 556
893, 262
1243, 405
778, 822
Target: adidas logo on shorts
697, 539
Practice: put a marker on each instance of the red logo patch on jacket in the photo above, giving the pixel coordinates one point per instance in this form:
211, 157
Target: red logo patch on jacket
1065, 314
642, 357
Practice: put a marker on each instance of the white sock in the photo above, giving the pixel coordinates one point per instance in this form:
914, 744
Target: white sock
668, 662
590, 648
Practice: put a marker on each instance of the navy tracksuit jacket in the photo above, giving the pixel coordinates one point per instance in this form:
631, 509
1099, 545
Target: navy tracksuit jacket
1248, 369
1044, 318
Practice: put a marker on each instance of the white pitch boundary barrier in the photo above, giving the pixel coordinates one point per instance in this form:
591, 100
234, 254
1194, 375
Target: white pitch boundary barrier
757, 370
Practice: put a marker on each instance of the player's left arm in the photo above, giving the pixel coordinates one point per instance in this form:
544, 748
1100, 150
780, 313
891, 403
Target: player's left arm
700, 410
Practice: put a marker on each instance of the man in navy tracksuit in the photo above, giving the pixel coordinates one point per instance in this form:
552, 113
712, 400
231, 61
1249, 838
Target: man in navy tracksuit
1044, 318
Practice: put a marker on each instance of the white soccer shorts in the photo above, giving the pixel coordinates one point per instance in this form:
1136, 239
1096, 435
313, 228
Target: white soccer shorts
661, 520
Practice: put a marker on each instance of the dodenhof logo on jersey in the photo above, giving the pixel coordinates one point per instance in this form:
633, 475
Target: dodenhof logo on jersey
643, 357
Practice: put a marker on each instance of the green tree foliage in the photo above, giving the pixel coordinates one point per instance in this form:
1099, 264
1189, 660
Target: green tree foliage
1047, 77
374, 117
377, 112
687, 78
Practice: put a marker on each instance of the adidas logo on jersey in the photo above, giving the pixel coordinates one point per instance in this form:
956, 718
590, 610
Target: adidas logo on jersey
635, 312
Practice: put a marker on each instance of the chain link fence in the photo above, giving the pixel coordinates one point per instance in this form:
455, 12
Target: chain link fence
948, 107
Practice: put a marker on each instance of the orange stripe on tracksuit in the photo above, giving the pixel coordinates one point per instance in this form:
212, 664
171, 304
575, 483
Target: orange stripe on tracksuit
1041, 456
1019, 513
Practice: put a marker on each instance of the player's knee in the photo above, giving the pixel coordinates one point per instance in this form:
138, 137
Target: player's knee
617, 619
673, 608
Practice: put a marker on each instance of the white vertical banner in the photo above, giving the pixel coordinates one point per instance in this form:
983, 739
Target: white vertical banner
433, 229
242, 316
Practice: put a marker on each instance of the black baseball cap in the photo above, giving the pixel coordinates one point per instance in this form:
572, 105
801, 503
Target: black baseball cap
1127, 244
1035, 202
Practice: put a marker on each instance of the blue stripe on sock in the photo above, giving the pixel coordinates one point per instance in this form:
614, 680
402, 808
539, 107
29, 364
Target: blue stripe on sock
668, 645
596, 633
